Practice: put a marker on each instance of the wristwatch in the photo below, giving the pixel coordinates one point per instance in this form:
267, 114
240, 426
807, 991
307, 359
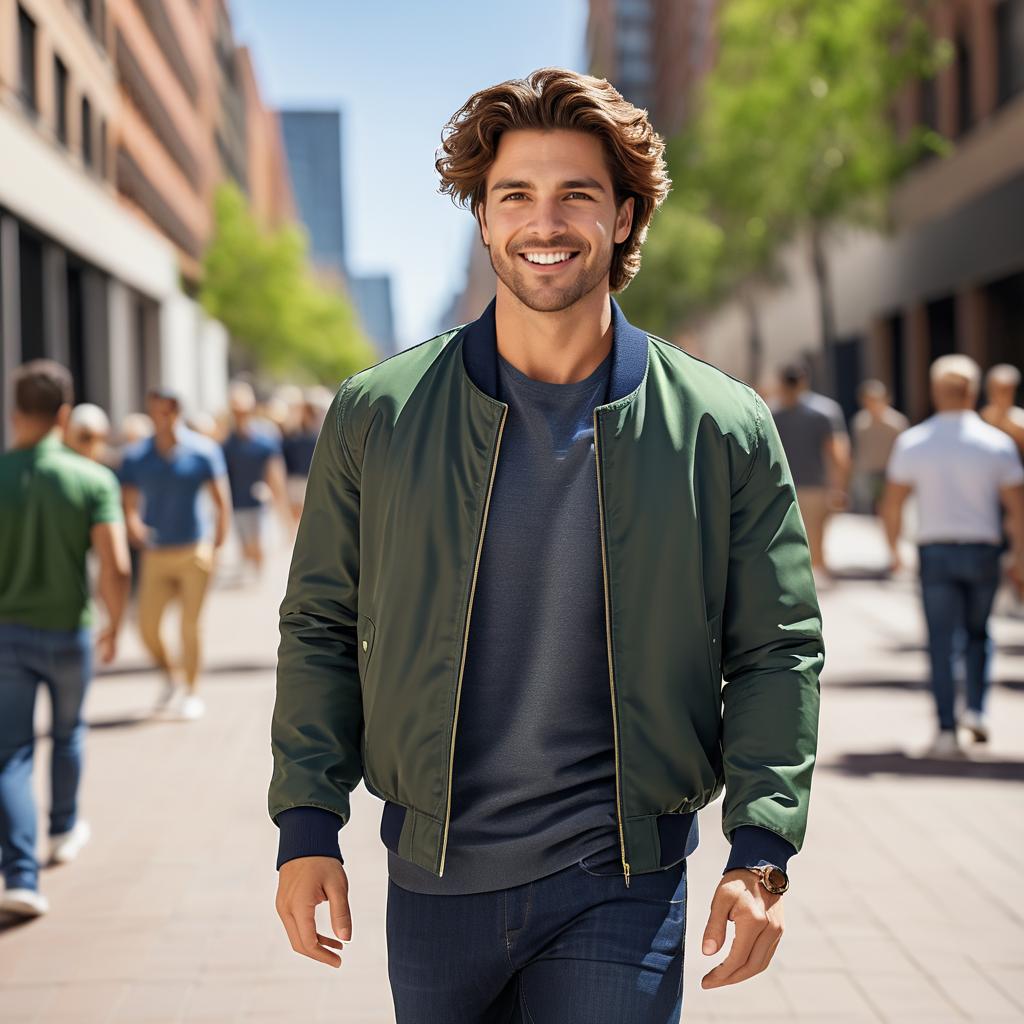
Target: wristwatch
773, 878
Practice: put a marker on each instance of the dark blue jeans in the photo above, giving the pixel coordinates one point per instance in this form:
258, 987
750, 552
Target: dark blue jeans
62, 661
958, 586
572, 948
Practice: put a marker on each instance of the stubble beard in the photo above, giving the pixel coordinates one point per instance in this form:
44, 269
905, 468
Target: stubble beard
549, 298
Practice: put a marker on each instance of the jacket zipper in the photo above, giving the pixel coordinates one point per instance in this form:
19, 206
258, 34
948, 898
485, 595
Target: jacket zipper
465, 638
608, 637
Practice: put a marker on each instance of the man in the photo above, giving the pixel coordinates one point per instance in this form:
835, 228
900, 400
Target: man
299, 442
163, 478
961, 470
88, 432
1001, 385
817, 447
875, 429
54, 506
529, 548
255, 471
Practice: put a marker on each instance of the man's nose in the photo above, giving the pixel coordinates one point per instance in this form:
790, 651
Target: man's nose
548, 218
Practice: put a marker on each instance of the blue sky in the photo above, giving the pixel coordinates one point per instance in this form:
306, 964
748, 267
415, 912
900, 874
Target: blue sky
398, 69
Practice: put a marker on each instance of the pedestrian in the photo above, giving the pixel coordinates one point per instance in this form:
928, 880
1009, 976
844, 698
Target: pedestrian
530, 548
960, 470
163, 478
54, 506
297, 448
1002, 383
88, 432
817, 448
256, 472
875, 429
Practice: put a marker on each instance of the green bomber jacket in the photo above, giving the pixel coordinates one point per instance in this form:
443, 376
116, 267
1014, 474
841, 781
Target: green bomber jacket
711, 618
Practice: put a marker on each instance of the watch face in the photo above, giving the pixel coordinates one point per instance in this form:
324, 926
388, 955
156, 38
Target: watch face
776, 880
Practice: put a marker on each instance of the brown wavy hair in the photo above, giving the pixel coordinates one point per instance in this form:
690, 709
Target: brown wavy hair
553, 99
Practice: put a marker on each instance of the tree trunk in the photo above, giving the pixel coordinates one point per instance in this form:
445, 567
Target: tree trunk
826, 309
755, 341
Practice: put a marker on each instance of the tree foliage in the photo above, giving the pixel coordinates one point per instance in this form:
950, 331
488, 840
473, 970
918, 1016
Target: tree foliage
794, 131
259, 285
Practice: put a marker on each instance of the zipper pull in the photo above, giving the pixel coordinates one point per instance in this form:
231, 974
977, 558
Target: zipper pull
627, 875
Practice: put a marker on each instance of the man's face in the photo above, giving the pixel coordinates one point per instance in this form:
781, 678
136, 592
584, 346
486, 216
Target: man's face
549, 194
163, 412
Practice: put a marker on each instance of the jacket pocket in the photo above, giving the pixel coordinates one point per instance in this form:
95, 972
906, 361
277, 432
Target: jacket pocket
365, 631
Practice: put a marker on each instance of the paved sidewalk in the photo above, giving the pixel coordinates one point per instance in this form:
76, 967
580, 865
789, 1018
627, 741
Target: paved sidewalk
904, 904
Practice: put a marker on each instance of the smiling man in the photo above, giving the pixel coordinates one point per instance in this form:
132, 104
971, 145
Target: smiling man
530, 550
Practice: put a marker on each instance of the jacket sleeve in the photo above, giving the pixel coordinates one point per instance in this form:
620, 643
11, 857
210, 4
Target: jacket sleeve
772, 650
317, 724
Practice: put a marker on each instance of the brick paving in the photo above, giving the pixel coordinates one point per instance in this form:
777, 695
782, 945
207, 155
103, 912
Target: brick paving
904, 905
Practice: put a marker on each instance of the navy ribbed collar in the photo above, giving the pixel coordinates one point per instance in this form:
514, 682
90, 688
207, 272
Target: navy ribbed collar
629, 353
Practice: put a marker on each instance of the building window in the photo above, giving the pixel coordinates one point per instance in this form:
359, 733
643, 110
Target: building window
964, 84
27, 61
1010, 41
60, 107
86, 132
103, 149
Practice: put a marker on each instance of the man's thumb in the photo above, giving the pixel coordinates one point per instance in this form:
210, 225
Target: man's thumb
714, 933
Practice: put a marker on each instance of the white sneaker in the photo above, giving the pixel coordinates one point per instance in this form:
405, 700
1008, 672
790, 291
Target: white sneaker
170, 697
24, 903
66, 846
976, 723
191, 708
945, 745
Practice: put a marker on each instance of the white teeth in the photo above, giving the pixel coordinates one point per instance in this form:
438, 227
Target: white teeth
547, 257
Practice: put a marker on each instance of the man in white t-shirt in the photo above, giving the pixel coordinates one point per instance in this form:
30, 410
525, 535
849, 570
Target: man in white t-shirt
962, 471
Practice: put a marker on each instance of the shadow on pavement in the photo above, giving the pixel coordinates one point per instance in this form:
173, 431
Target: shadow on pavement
8, 922
899, 762
1014, 685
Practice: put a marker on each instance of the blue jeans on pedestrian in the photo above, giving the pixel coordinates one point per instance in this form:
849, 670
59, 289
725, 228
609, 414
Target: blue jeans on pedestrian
575, 947
958, 587
62, 661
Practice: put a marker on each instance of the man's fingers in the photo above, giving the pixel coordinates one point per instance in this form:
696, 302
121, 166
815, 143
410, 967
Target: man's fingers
749, 925
714, 933
760, 956
326, 940
308, 945
341, 916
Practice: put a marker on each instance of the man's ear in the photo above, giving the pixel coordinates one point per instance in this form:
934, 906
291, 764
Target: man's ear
624, 220
481, 219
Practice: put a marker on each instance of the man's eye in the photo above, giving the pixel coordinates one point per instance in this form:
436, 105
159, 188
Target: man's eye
579, 195
514, 195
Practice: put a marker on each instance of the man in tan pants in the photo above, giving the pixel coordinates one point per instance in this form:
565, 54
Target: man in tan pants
163, 478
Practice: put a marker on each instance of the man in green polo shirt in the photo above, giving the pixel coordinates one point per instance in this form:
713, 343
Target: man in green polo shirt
54, 506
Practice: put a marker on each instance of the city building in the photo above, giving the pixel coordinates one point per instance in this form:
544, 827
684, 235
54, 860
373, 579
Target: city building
117, 122
654, 52
312, 140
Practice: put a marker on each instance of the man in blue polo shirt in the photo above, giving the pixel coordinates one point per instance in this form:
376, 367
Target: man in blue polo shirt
162, 479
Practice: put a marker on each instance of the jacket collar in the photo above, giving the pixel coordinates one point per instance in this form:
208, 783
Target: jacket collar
629, 354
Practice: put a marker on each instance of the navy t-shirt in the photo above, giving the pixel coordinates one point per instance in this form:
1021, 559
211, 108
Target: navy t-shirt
171, 484
247, 456
297, 449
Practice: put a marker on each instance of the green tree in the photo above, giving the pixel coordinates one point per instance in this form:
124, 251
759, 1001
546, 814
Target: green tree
259, 285
795, 132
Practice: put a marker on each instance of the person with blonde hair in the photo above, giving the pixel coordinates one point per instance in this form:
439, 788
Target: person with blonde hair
88, 431
529, 551
961, 471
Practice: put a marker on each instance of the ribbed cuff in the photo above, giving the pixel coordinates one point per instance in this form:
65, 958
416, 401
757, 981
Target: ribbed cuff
753, 846
307, 832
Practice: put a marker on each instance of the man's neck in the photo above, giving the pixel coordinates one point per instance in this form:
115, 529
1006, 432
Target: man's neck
166, 439
29, 435
559, 348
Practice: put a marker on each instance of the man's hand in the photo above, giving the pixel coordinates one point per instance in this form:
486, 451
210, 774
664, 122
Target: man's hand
302, 884
757, 917
106, 645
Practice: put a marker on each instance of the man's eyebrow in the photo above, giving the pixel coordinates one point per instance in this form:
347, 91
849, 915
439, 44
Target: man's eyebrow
508, 184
